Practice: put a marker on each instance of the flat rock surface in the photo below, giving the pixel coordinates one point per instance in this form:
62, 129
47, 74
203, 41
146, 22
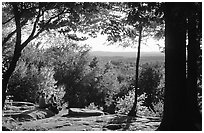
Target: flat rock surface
64, 122
30, 115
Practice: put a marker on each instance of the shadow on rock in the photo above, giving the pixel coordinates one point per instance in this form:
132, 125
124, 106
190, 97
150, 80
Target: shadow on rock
120, 122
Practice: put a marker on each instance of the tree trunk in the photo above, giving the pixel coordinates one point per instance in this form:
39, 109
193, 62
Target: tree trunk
176, 108
6, 76
134, 108
175, 68
192, 73
16, 55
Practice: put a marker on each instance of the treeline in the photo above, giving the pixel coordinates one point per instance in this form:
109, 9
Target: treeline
81, 80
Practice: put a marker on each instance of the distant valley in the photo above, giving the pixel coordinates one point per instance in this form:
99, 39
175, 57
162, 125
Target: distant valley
124, 54
130, 56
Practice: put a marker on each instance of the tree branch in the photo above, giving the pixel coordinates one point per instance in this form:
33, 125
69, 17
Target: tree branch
17, 17
33, 31
32, 36
54, 17
8, 37
12, 33
7, 20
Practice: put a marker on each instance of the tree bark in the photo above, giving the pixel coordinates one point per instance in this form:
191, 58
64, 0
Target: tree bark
176, 107
134, 108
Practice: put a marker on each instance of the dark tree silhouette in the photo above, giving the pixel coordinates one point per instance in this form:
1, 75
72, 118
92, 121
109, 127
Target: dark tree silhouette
178, 112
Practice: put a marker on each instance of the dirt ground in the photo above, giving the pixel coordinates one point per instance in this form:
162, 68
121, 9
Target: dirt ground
63, 122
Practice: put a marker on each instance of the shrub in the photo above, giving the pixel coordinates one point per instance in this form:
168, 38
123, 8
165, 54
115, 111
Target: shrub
124, 105
23, 84
27, 80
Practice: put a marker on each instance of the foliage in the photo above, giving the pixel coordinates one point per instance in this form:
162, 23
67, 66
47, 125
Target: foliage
7, 52
109, 87
31, 76
100, 86
151, 83
26, 81
125, 104
48, 82
69, 70
159, 108
149, 80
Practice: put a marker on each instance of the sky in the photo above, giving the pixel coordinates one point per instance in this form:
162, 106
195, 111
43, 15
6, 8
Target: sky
97, 44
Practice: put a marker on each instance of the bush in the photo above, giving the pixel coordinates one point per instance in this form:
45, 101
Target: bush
124, 105
27, 80
23, 84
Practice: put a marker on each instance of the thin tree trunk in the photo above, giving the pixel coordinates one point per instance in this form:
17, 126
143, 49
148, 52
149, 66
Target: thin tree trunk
134, 108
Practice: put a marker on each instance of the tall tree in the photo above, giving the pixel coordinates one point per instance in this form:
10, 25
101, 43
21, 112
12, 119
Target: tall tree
178, 113
145, 19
